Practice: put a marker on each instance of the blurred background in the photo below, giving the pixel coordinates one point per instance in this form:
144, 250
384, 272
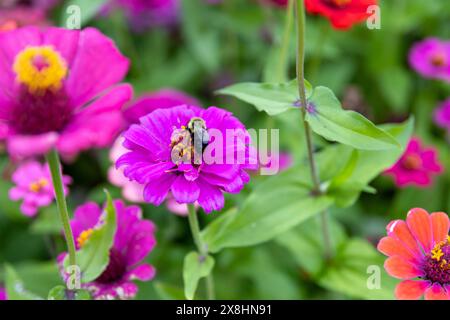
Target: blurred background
200, 46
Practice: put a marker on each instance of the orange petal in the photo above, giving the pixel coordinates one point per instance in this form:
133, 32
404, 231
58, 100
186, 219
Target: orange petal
398, 267
419, 224
394, 247
399, 230
436, 292
440, 225
411, 289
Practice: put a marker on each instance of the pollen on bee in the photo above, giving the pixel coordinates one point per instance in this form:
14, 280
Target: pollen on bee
40, 68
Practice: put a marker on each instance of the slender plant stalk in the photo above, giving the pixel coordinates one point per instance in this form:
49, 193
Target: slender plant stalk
201, 248
55, 170
300, 14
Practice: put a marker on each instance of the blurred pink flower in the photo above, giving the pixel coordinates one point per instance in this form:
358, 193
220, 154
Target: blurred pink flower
143, 14
416, 166
11, 19
431, 58
59, 90
3, 294
133, 241
33, 185
442, 115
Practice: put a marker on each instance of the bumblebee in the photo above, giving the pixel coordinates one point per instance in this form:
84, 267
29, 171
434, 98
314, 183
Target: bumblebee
199, 134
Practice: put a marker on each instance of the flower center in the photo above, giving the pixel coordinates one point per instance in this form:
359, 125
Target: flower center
40, 69
437, 263
438, 60
37, 186
339, 3
412, 162
83, 237
116, 268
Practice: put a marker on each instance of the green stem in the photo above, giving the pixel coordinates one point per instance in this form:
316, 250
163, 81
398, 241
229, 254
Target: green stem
284, 49
201, 247
56, 173
300, 13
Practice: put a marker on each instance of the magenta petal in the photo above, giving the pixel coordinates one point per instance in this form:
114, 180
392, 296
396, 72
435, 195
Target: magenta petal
97, 125
85, 217
211, 198
185, 191
26, 146
97, 65
144, 272
64, 41
156, 191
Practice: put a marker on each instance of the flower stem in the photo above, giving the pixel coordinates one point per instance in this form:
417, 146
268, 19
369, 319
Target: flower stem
201, 247
55, 170
300, 14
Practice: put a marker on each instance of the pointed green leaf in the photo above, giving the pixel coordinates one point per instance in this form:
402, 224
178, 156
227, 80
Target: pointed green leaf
328, 119
194, 269
61, 293
273, 98
15, 288
277, 205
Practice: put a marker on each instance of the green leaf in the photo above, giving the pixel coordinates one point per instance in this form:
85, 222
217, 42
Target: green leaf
47, 222
61, 293
194, 269
278, 204
353, 269
363, 166
15, 288
328, 119
93, 257
273, 98
305, 243
88, 9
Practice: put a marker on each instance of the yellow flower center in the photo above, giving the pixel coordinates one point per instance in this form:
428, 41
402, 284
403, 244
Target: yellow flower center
40, 69
37, 186
83, 237
438, 60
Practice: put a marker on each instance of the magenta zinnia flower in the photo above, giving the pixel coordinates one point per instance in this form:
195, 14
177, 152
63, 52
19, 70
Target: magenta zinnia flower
162, 156
416, 166
58, 90
442, 115
162, 99
431, 58
419, 254
33, 185
133, 241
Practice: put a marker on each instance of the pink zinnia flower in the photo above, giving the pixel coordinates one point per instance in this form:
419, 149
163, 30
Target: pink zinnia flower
33, 185
3, 294
419, 254
58, 90
143, 14
11, 19
165, 98
416, 166
431, 58
442, 115
133, 241
164, 135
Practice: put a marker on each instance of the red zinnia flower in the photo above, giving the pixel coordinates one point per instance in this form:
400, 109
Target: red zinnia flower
419, 253
342, 14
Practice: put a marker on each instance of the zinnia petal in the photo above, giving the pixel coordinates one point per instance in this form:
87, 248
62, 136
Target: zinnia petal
411, 289
402, 269
440, 224
436, 292
419, 224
